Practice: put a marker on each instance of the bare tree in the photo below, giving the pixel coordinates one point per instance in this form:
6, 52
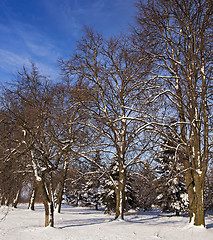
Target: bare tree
68, 117
177, 34
12, 167
113, 88
31, 103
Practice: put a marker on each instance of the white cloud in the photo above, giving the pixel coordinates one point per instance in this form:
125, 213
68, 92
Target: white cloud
41, 50
36, 41
10, 61
49, 71
23, 44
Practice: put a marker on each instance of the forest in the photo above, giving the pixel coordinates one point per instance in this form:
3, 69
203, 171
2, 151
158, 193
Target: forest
128, 125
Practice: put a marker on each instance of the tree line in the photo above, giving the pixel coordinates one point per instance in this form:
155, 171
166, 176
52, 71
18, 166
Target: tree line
130, 121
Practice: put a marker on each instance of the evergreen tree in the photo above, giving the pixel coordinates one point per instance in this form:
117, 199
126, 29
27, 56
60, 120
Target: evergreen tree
73, 193
171, 189
130, 193
93, 184
144, 186
109, 196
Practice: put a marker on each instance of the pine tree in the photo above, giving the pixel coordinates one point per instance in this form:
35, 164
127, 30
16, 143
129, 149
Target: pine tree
130, 193
171, 189
109, 196
93, 184
74, 184
144, 186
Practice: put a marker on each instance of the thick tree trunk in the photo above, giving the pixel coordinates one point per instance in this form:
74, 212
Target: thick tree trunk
48, 205
49, 213
199, 212
195, 186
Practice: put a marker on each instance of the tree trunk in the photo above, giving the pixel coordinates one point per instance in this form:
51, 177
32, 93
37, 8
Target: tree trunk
15, 201
48, 205
60, 197
7, 202
2, 200
199, 190
177, 213
120, 195
195, 186
61, 188
49, 214
47, 199
32, 197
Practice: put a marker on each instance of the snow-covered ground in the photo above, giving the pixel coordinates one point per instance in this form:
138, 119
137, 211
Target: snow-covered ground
83, 223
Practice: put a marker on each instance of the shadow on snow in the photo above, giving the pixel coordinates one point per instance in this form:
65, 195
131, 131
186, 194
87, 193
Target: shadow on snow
84, 222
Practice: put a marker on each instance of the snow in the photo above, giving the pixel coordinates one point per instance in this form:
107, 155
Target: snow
88, 224
199, 172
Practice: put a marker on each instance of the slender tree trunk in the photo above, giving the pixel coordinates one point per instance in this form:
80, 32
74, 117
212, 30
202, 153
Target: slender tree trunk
61, 188
2, 200
15, 201
7, 202
177, 213
32, 197
120, 195
59, 198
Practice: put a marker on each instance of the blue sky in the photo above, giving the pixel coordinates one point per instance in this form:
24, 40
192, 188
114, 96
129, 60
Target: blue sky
41, 31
